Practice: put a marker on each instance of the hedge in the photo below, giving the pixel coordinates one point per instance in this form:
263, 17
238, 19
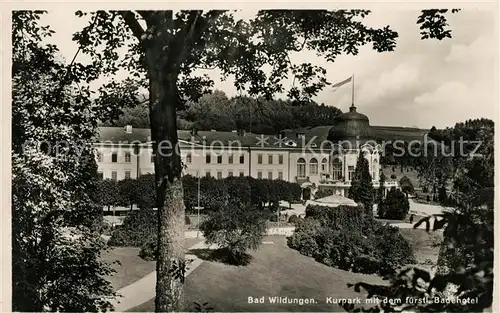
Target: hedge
138, 228
214, 193
346, 238
340, 217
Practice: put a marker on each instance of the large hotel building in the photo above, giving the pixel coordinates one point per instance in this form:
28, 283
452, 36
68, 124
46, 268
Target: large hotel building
323, 156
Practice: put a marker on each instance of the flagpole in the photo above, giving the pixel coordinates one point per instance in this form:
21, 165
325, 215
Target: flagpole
352, 90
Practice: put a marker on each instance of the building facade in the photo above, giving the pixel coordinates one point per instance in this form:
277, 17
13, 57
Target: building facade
325, 160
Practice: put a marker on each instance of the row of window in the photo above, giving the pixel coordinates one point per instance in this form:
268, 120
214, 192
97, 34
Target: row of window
208, 159
270, 159
242, 174
114, 157
313, 166
114, 175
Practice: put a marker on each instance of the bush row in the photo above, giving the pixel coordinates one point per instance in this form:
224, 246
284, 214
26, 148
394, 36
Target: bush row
138, 229
213, 192
350, 241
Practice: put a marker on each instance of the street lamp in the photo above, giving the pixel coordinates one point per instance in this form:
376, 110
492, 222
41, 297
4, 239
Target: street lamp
198, 208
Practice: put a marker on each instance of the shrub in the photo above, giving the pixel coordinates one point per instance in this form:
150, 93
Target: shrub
138, 228
393, 176
406, 185
393, 249
273, 218
367, 246
303, 239
149, 251
235, 228
395, 206
339, 217
323, 192
293, 219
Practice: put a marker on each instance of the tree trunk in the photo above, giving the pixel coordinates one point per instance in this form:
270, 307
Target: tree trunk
170, 264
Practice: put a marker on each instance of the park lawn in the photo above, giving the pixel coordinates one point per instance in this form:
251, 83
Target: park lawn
275, 270
416, 218
422, 243
132, 266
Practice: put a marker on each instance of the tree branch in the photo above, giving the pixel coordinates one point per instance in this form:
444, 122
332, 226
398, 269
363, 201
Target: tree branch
132, 22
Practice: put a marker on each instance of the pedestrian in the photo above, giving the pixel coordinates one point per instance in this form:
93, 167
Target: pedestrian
411, 219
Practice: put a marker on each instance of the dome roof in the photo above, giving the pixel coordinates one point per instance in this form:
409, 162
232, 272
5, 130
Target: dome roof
351, 126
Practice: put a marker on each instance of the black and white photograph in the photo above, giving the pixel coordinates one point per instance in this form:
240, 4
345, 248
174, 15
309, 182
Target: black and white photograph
239, 157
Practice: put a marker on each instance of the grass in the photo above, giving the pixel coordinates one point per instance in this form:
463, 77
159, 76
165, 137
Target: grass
274, 270
416, 218
132, 267
423, 244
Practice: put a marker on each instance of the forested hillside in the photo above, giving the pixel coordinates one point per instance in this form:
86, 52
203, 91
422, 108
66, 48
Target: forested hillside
219, 112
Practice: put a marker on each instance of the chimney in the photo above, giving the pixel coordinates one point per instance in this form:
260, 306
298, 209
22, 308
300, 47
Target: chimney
128, 129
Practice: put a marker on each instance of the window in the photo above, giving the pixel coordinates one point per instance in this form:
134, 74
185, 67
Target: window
114, 175
269, 175
324, 165
99, 157
280, 175
350, 170
189, 158
219, 159
219, 175
259, 158
259, 175
313, 167
208, 159
127, 157
242, 174
270, 159
230, 159
337, 169
127, 174
242, 159
114, 157
280, 159
301, 167
374, 176
207, 174
101, 175
230, 173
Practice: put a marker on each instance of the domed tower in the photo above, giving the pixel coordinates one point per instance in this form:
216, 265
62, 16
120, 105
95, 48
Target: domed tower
351, 127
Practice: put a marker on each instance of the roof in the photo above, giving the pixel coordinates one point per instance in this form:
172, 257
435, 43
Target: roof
213, 138
351, 126
315, 135
333, 200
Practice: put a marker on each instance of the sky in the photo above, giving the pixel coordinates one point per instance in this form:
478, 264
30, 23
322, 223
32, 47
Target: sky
423, 83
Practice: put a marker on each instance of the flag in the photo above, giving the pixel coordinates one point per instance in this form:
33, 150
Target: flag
342, 83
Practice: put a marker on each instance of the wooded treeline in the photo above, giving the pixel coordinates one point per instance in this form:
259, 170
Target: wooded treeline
217, 111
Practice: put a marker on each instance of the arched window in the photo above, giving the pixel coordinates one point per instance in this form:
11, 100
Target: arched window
337, 169
313, 167
301, 167
324, 165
